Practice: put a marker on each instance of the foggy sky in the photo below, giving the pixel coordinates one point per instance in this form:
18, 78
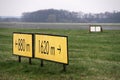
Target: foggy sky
17, 7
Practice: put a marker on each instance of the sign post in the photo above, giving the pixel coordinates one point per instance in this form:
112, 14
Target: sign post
23, 45
51, 48
43, 46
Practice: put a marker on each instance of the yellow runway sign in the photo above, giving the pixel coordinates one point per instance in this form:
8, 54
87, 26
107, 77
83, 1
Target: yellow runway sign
51, 47
22, 44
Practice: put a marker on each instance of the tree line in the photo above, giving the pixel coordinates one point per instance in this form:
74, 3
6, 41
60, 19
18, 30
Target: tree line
64, 16
10, 19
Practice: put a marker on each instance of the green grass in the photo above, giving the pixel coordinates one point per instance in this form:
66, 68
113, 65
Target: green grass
92, 56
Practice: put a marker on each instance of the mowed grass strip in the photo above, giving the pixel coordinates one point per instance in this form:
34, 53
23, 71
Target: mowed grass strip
92, 56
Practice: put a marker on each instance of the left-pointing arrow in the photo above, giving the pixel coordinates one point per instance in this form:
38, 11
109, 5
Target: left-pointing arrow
59, 49
16, 43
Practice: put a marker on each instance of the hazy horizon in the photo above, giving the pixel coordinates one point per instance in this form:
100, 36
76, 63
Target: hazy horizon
17, 7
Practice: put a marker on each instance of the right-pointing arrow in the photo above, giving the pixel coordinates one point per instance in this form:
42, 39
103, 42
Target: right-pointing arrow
59, 49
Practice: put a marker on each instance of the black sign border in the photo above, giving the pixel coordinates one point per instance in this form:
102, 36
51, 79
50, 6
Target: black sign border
53, 35
32, 44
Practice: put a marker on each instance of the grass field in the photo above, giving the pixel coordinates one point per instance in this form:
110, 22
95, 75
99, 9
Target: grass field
92, 56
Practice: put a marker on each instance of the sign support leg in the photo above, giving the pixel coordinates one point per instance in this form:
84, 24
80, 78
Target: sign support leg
41, 63
64, 67
30, 62
19, 59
